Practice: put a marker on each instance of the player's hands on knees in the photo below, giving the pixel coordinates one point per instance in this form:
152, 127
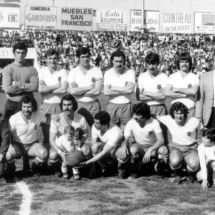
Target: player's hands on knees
204, 184
147, 156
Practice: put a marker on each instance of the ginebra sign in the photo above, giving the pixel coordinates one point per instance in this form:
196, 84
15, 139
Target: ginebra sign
40, 17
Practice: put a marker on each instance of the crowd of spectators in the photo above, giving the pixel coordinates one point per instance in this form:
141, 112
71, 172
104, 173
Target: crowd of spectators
136, 45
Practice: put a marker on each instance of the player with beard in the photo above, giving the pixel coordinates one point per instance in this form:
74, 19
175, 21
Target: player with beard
27, 137
119, 84
152, 85
183, 85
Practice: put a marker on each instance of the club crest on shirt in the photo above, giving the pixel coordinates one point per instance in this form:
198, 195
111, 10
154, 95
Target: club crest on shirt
189, 134
150, 132
189, 85
158, 86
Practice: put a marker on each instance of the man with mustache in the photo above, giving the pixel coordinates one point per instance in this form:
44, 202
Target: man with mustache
152, 85
183, 85
27, 137
59, 122
119, 84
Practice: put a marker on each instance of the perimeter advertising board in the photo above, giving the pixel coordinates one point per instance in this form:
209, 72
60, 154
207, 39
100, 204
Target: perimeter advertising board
110, 20
80, 19
177, 22
40, 17
151, 20
9, 17
204, 23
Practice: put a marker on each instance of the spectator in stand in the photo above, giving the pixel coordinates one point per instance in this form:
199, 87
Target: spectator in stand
19, 79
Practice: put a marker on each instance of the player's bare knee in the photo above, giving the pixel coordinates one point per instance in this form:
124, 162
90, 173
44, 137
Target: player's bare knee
135, 152
10, 156
43, 154
53, 155
175, 162
163, 151
193, 164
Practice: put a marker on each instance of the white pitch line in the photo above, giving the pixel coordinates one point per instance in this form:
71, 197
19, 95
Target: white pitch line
25, 207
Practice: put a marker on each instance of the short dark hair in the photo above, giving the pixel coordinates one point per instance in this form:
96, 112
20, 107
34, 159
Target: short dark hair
51, 52
69, 97
103, 117
210, 134
117, 53
142, 109
178, 106
82, 51
21, 46
29, 99
152, 58
185, 56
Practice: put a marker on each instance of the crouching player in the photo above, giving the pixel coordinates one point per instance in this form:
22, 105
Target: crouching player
183, 147
144, 142
68, 143
59, 122
106, 138
27, 137
206, 151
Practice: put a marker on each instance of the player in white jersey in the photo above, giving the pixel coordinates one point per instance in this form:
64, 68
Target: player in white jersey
106, 138
119, 83
144, 141
59, 122
183, 147
152, 85
27, 134
52, 87
85, 82
183, 85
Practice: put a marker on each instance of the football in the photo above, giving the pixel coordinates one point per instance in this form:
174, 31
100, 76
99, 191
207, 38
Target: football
74, 158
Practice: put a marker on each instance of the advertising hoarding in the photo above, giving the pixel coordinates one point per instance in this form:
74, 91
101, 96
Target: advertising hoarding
110, 20
177, 22
80, 19
151, 20
204, 23
40, 17
9, 17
